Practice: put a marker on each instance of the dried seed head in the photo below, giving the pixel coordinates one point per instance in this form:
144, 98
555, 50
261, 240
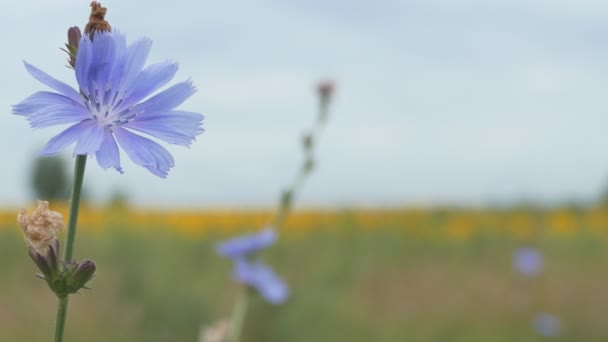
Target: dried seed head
97, 20
41, 226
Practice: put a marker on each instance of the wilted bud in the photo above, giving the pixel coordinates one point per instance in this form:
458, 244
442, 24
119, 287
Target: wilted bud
41, 226
52, 257
48, 264
42, 264
63, 278
97, 20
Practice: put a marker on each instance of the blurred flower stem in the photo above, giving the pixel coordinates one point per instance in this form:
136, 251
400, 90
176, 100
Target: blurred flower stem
238, 315
325, 91
62, 308
309, 141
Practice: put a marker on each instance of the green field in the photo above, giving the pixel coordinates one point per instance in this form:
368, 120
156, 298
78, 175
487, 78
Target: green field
349, 283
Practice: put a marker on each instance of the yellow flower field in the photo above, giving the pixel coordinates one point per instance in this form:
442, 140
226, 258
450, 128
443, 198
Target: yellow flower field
452, 224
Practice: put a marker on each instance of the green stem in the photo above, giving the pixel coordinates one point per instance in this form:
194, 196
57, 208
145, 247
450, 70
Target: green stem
62, 307
303, 172
240, 309
285, 208
238, 315
81, 161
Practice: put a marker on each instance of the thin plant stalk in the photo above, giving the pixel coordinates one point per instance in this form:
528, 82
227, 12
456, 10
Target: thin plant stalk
62, 309
238, 315
81, 161
305, 169
285, 205
62, 306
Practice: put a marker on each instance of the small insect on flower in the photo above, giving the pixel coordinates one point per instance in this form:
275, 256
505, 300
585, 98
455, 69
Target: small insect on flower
112, 102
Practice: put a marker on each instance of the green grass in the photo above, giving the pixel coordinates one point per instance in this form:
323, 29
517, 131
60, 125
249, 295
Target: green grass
348, 284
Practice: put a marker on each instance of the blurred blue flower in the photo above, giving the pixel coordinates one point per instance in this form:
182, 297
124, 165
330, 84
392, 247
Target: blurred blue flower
255, 273
262, 278
247, 244
528, 261
547, 325
109, 104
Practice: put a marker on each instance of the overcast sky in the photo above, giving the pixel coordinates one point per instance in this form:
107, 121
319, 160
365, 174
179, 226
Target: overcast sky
438, 101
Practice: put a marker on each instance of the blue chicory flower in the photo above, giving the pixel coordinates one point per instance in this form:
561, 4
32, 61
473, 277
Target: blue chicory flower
547, 325
110, 103
262, 278
247, 244
253, 272
528, 261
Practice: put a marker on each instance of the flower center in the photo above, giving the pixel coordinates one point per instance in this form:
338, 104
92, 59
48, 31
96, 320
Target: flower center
106, 109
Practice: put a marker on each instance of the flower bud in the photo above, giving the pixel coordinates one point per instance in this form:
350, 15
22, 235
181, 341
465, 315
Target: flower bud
325, 89
309, 164
48, 264
63, 278
41, 263
74, 36
72, 278
307, 141
84, 272
52, 255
